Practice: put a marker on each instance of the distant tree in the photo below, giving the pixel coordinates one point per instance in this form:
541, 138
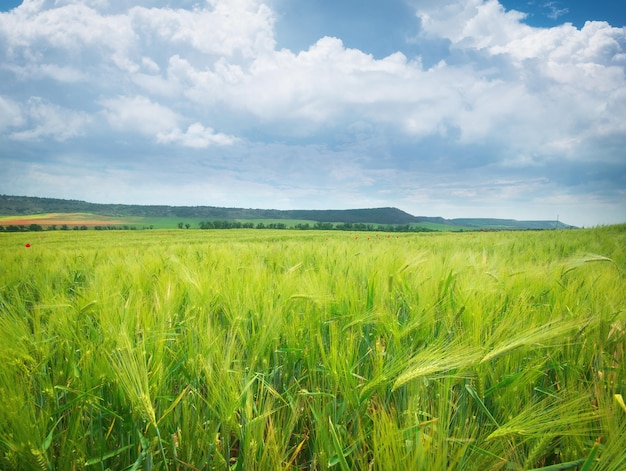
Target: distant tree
187, 226
1, 228
276, 225
64, 227
35, 227
180, 225
260, 226
325, 226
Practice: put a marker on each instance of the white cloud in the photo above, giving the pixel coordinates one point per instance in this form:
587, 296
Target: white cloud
139, 114
46, 119
554, 11
230, 27
10, 114
58, 73
196, 136
223, 54
473, 23
35, 31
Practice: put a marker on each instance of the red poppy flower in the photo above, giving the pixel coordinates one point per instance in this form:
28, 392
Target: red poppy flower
27, 246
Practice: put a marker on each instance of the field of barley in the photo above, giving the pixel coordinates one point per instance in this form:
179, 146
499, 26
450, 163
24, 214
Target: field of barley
307, 350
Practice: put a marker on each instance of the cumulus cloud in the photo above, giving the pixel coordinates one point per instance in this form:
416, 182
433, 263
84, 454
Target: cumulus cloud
243, 27
196, 136
139, 114
472, 23
46, 119
223, 54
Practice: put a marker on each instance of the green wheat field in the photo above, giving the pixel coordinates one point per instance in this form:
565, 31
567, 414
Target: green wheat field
307, 350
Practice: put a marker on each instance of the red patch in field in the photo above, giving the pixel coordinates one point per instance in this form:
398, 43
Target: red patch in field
62, 219
27, 246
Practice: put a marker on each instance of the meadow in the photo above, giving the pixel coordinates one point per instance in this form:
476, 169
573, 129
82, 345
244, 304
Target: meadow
310, 350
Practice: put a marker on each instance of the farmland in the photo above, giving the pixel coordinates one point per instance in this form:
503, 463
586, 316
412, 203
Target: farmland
303, 350
58, 219
50, 213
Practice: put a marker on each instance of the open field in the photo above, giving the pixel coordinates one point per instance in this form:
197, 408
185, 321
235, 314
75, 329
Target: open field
310, 350
90, 220
140, 222
70, 219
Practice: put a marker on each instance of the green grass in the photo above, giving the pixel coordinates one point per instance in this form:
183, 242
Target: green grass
433, 226
302, 350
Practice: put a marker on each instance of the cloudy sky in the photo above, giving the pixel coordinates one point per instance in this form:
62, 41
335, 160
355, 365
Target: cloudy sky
453, 108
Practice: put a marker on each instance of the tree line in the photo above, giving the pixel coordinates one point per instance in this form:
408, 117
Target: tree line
323, 226
228, 224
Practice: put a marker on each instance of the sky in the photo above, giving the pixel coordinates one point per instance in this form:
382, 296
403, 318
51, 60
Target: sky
454, 108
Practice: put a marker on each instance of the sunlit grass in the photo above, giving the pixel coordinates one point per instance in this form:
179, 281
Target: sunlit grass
312, 350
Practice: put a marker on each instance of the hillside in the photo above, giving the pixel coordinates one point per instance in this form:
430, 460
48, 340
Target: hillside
27, 205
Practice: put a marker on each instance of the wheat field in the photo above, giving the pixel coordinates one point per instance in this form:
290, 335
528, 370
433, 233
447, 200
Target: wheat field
310, 350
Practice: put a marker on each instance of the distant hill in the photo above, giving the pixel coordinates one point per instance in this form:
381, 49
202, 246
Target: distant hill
27, 205
509, 224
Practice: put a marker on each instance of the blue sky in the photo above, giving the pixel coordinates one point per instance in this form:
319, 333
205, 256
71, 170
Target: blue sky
474, 108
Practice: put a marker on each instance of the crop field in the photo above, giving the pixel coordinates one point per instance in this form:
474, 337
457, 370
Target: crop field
89, 220
59, 219
310, 350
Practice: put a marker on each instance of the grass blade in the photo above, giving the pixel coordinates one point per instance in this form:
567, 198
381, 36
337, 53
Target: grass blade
106, 456
560, 466
338, 448
481, 404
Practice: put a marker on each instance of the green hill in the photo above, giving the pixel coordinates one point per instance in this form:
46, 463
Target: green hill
28, 205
